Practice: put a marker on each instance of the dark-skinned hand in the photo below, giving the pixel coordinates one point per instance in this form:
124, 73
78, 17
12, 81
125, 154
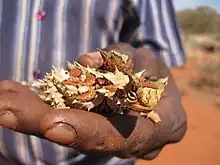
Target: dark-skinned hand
117, 135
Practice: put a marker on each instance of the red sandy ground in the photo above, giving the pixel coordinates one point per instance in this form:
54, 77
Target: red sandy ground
201, 144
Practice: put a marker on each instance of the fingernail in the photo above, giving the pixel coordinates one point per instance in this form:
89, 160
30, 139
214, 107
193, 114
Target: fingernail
62, 134
8, 120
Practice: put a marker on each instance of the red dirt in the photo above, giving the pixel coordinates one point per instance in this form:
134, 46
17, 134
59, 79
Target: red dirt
201, 144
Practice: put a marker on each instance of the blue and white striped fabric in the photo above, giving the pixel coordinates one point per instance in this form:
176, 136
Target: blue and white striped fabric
70, 28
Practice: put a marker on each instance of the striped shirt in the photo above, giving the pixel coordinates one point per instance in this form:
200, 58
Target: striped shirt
36, 34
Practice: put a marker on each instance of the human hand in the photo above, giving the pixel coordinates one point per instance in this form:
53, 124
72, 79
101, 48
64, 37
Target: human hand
118, 135
173, 125
125, 135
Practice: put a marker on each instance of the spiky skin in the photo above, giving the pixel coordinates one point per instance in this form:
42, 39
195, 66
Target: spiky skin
113, 60
85, 88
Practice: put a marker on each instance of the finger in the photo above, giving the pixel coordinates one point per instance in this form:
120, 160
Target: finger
92, 59
95, 60
88, 131
19, 116
92, 131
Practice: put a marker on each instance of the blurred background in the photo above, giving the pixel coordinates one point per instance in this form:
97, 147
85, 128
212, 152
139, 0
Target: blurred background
199, 84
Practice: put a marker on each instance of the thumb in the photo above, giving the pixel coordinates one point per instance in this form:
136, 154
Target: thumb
79, 129
92, 59
87, 131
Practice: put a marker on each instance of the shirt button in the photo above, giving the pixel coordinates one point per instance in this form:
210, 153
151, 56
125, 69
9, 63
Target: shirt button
41, 15
37, 75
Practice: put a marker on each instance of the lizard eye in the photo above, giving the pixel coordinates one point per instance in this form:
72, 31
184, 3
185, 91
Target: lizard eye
132, 97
